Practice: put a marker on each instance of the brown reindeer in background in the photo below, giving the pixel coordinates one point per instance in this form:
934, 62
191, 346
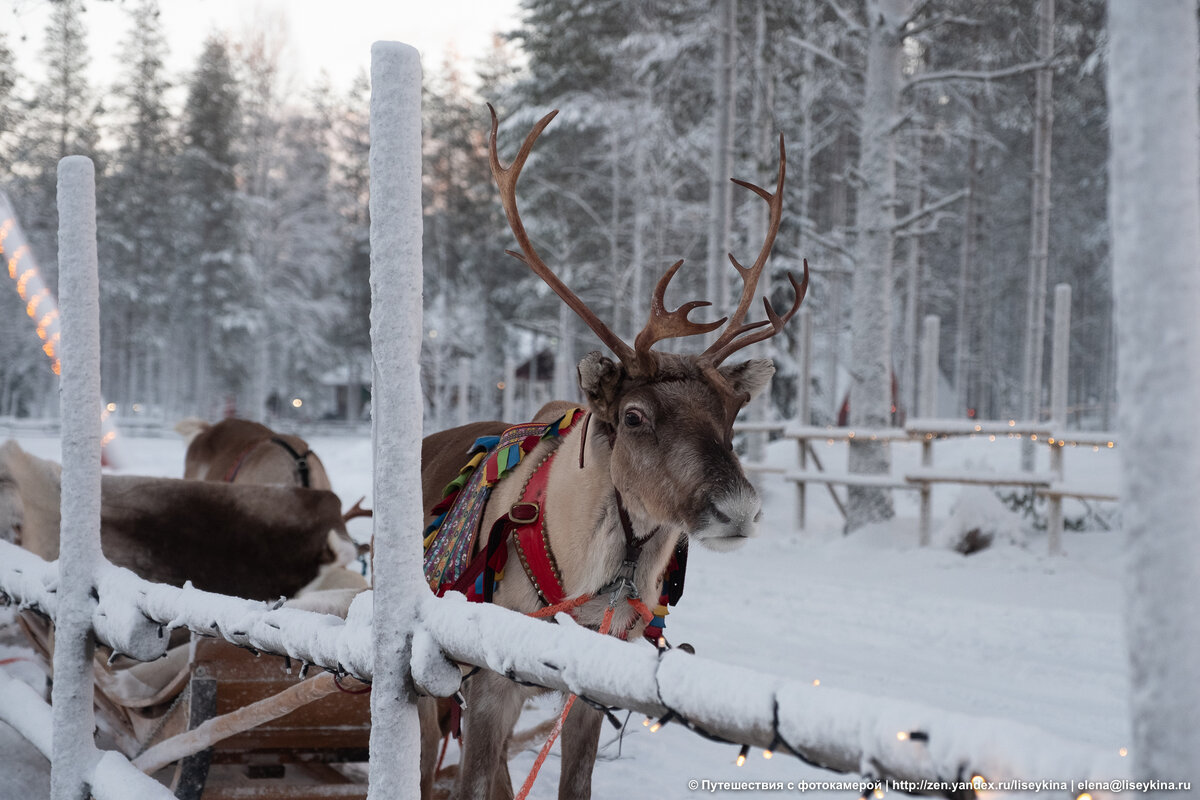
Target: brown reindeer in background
650, 465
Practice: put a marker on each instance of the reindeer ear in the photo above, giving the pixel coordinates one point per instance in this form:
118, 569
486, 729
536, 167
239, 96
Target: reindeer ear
750, 376
599, 378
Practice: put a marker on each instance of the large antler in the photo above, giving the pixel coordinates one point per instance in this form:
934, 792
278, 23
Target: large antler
733, 338
506, 181
662, 324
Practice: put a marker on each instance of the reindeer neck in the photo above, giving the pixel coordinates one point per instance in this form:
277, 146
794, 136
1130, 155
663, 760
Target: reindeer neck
584, 525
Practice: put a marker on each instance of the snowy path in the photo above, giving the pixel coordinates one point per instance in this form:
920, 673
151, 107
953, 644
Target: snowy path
1007, 633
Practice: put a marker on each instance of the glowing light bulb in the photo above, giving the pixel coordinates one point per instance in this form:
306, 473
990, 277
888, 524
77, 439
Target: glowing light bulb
111, 407
741, 760
1012, 423
767, 754
878, 793
646, 722
297, 402
1123, 752
501, 385
1033, 436
1083, 796
745, 751
902, 736
978, 782
992, 438
654, 728
816, 681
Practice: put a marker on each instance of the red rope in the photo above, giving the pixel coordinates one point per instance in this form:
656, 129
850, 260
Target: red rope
13, 660
338, 683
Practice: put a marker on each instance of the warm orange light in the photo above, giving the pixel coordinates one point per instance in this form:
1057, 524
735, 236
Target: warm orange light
23, 282
297, 402
57, 367
108, 437
16, 259
35, 301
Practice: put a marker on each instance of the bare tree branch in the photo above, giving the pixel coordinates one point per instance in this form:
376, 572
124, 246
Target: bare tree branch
917, 10
845, 16
933, 22
926, 210
976, 75
825, 54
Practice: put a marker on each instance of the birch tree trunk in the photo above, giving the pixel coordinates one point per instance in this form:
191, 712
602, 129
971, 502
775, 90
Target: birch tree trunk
1154, 201
721, 189
871, 314
962, 339
1035, 303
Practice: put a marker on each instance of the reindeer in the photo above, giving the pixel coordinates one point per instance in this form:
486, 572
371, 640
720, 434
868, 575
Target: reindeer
650, 464
241, 451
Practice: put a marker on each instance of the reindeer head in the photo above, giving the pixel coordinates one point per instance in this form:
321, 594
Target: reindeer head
668, 417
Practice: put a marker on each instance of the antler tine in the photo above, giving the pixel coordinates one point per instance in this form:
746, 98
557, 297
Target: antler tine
506, 182
719, 349
665, 324
773, 319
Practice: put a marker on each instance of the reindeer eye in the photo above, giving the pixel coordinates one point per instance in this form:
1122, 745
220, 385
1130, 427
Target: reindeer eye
634, 418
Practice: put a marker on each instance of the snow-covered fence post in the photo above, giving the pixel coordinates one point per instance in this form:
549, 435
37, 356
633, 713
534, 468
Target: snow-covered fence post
74, 750
1154, 201
396, 405
803, 407
1059, 356
927, 398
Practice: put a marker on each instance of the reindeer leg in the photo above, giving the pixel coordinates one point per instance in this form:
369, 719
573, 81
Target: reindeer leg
493, 705
427, 711
580, 738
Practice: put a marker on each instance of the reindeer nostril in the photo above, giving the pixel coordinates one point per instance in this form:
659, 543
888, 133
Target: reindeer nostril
758, 516
716, 512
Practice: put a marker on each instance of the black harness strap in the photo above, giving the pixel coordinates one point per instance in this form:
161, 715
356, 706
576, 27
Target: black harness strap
301, 459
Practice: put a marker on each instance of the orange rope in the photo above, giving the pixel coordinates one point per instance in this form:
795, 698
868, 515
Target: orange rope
565, 605
442, 757
558, 726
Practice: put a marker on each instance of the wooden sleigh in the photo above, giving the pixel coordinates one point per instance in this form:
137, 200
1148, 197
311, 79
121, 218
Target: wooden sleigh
211, 720
226, 724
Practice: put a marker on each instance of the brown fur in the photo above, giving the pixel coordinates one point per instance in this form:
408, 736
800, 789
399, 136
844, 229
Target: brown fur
258, 542
678, 476
215, 450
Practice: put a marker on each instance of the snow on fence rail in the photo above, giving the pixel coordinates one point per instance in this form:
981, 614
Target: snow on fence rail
413, 642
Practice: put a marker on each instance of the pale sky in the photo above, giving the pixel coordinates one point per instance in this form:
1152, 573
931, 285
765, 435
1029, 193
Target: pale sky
334, 35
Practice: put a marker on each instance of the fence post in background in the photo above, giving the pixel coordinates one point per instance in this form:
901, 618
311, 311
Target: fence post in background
74, 749
395, 163
927, 398
463, 395
803, 408
1059, 363
508, 395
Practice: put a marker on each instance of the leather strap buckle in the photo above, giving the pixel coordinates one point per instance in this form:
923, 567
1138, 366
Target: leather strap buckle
524, 513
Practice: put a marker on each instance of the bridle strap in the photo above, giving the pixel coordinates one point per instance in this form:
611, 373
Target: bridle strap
301, 459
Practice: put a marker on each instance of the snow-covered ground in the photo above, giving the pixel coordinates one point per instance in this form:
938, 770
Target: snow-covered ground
1010, 632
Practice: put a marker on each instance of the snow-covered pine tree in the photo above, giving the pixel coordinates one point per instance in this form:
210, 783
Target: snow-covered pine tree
211, 285
136, 219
